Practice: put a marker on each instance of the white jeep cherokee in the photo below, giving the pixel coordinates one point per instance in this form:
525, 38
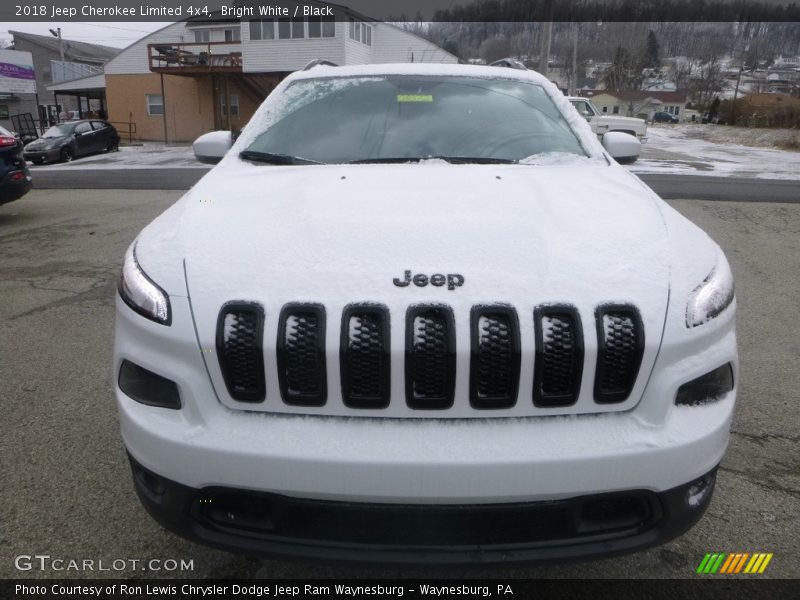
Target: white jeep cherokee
418, 314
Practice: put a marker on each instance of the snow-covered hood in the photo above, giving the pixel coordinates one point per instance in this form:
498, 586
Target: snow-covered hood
581, 234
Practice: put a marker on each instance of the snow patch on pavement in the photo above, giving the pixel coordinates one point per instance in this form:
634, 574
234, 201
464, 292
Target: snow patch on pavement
671, 150
147, 156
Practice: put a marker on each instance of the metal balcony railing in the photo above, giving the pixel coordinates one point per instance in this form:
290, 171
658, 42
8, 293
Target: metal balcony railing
203, 57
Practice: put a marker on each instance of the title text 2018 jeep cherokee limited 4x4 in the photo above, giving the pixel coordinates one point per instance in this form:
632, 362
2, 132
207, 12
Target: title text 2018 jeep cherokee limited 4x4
418, 314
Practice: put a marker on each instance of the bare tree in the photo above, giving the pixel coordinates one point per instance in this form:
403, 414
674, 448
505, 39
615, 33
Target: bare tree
625, 73
681, 74
494, 48
709, 82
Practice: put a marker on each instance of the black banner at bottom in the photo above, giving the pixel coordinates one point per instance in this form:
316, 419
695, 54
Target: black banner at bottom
332, 589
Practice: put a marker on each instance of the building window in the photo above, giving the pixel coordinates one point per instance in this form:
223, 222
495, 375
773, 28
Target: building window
234, 105
233, 35
202, 36
616, 110
262, 30
284, 29
321, 28
3, 111
605, 110
155, 104
361, 32
677, 110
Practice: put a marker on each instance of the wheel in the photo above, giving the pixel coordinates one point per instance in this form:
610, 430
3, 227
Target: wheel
112, 146
66, 155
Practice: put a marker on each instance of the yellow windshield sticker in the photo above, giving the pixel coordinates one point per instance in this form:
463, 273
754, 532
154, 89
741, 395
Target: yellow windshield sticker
414, 98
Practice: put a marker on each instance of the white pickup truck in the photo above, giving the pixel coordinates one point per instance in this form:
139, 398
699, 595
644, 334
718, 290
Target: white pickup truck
603, 123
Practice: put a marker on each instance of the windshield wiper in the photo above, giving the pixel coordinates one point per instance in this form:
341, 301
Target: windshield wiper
459, 160
275, 159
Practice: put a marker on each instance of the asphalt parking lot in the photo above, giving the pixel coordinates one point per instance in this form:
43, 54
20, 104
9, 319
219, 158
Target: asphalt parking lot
66, 488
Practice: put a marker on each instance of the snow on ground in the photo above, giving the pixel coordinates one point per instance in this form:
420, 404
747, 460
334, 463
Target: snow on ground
675, 149
147, 156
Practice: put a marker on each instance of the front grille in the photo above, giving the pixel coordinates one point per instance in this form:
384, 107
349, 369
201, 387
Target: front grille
494, 364
496, 369
301, 355
240, 329
559, 356
430, 357
364, 356
620, 338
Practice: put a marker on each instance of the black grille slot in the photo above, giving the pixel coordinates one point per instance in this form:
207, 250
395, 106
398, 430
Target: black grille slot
301, 355
620, 337
495, 357
240, 329
559, 356
430, 357
364, 356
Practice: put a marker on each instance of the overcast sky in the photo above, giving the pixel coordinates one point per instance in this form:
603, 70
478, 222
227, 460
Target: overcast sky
107, 34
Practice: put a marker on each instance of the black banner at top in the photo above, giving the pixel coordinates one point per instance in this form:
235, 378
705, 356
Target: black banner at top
403, 10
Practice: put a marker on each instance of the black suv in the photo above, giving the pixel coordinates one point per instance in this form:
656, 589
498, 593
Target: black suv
15, 179
66, 141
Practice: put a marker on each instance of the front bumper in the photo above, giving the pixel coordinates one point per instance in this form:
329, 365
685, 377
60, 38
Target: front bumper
570, 529
206, 450
42, 155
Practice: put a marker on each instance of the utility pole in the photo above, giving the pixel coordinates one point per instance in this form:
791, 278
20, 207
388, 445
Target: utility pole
57, 33
544, 46
736, 89
573, 81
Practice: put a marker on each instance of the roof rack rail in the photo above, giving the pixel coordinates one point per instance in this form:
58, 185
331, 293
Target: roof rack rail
319, 62
511, 63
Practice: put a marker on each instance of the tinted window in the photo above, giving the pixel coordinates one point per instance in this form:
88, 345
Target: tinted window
83, 128
344, 119
99, 125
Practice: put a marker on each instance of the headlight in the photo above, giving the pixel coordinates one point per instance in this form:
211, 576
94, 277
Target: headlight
712, 296
141, 293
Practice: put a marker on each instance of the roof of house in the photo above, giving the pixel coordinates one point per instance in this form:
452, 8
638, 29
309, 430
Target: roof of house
74, 51
640, 95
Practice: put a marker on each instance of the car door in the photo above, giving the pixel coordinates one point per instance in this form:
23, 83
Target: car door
102, 135
84, 138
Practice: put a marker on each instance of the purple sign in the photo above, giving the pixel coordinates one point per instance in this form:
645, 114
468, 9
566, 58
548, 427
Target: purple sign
16, 71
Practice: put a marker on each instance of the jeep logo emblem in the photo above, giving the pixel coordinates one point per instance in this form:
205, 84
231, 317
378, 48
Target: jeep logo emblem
453, 280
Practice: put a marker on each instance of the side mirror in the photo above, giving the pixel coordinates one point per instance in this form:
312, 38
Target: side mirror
211, 147
623, 147
587, 115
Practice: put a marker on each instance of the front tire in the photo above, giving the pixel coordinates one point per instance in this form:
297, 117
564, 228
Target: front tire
112, 146
66, 155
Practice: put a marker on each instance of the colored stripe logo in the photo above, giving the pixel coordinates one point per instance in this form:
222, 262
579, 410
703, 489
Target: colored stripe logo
732, 563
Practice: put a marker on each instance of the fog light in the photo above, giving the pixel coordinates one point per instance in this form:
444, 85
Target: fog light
148, 388
700, 491
706, 388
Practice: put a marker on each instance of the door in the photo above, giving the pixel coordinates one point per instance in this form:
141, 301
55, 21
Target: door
84, 139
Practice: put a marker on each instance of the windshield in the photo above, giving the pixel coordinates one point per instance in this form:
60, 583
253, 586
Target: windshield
405, 117
58, 131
